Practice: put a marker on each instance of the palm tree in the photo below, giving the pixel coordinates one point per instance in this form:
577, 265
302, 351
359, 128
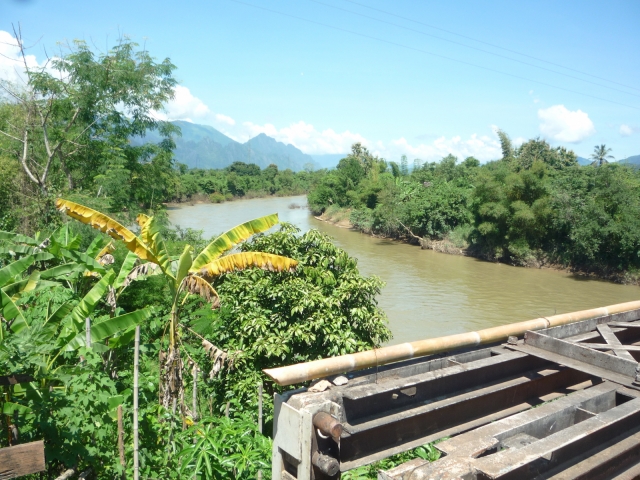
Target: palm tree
600, 155
186, 276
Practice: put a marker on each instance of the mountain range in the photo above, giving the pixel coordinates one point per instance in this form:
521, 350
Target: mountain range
633, 161
202, 146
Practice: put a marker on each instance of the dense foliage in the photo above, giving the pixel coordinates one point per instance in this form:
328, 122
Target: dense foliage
323, 308
536, 205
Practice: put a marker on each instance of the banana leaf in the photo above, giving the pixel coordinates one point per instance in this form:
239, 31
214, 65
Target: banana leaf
229, 239
18, 238
74, 321
242, 261
128, 264
15, 268
106, 225
102, 330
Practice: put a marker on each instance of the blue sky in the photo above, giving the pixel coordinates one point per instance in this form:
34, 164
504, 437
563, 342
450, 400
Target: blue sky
418, 78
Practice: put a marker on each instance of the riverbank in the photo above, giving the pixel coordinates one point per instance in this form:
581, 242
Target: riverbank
203, 199
457, 246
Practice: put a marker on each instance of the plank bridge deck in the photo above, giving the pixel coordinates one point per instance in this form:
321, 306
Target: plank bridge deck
559, 403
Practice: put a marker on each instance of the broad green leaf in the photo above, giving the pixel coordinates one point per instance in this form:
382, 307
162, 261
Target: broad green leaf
18, 238
14, 268
107, 225
97, 247
228, 240
125, 338
74, 322
9, 407
150, 235
10, 311
128, 263
43, 256
91, 263
102, 330
184, 264
13, 249
244, 260
61, 312
62, 270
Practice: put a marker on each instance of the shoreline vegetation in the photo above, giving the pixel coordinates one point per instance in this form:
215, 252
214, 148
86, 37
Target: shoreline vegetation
534, 207
453, 246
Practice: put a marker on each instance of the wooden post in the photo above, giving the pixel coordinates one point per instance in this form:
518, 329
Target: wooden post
260, 417
136, 363
121, 439
87, 332
260, 407
195, 392
226, 410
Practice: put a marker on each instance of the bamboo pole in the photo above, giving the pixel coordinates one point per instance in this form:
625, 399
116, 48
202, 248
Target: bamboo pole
260, 407
303, 372
121, 439
136, 364
87, 332
194, 400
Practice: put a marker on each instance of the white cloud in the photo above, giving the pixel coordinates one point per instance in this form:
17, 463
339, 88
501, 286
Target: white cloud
481, 147
563, 125
306, 137
225, 119
11, 62
627, 130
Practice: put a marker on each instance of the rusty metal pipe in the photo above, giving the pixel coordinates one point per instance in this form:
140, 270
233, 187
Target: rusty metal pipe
303, 372
328, 425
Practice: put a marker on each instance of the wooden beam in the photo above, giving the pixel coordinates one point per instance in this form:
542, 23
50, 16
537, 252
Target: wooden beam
14, 379
22, 460
611, 339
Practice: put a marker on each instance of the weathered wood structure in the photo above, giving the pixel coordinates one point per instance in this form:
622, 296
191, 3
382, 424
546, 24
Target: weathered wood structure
559, 402
23, 459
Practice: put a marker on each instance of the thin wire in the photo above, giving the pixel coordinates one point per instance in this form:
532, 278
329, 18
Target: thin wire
431, 53
474, 48
491, 44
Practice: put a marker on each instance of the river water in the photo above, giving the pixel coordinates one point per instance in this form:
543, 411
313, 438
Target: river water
428, 294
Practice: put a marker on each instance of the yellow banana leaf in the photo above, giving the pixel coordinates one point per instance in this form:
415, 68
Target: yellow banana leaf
150, 235
109, 247
242, 261
107, 225
229, 239
199, 286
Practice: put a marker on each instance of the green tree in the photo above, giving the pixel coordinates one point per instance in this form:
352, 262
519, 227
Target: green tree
600, 155
70, 114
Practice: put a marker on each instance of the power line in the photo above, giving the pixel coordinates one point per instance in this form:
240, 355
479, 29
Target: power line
490, 44
430, 53
473, 48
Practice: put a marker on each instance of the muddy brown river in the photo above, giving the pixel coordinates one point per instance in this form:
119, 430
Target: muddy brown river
428, 294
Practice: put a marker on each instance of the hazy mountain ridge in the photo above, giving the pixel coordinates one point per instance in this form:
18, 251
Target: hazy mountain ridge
202, 146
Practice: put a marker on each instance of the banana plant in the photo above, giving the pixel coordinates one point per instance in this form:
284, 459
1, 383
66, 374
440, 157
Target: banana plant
187, 275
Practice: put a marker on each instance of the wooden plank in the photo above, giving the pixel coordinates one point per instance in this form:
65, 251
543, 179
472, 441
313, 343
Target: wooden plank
22, 460
614, 348
611, 339
582, 354
15, 379
576, 364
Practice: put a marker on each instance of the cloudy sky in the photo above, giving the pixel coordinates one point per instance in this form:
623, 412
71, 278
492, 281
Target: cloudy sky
404, 77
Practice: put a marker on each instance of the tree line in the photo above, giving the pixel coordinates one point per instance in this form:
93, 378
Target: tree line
536, 205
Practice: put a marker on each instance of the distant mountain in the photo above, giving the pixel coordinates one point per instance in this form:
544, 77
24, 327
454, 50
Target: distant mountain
202, 146
634, 160
329, 160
